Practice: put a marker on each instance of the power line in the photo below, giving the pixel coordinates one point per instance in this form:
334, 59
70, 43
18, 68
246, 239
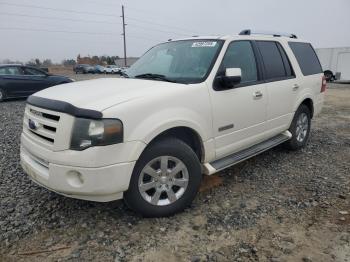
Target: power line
77, 20
77, 32
57, 18
157, 30
88, 21
99, 3
162, 25
176, 20
55, 31
95, 21
143, 38
56, 9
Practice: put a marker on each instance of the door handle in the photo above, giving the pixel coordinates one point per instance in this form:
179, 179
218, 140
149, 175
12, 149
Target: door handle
295, 87
257, 94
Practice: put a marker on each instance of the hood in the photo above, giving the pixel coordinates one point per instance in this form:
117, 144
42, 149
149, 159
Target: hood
100, 94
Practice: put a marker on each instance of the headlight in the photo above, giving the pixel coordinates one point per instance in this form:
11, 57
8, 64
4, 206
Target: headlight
88, 133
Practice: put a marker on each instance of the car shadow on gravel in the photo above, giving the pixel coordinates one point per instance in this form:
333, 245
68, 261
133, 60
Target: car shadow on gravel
9, 100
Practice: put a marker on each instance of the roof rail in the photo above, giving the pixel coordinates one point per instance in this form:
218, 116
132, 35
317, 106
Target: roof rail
277, 34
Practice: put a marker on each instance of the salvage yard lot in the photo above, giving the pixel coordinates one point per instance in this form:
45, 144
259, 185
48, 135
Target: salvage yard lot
278, 206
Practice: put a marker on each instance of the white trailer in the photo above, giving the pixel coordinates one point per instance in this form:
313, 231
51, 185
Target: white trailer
335, 63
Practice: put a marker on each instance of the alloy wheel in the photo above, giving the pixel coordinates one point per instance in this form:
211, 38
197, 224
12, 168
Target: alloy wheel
163, 180
302, 127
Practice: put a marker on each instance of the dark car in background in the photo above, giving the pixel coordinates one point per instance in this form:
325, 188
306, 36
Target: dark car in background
98, 69
84, 69
22, 81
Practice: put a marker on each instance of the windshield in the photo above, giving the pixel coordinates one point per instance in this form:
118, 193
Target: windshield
185, 61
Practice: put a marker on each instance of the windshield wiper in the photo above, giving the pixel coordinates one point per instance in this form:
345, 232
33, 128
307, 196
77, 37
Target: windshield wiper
155, 76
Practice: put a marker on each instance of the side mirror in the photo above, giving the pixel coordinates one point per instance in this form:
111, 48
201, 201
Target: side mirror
232, 77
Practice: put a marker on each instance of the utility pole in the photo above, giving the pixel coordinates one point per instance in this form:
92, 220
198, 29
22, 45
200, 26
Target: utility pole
123, 17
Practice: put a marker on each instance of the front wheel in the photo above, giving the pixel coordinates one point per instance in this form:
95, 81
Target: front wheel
2, 95
300, 128
165, 180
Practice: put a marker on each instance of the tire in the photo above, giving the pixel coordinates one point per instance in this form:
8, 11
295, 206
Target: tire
175, 153
300, 128
2, 95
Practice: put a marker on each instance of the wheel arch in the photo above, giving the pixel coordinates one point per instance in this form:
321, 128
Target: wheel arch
310, 104
306, 100
184, 133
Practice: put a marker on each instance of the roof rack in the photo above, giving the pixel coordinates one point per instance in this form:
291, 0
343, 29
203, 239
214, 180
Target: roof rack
277, 34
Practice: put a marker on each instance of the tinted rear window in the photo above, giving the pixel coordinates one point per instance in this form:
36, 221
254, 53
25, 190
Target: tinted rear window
273, 62
306, 57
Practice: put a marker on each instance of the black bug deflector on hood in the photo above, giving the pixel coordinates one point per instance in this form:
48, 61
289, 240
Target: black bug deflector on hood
63, 107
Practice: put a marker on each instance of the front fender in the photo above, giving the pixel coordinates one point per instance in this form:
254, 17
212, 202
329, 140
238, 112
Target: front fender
159, 122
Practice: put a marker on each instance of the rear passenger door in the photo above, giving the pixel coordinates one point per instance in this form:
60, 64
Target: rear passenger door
281, 85
13, 81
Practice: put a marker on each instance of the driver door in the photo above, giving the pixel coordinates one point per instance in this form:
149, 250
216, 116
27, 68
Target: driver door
37, 80
239, 113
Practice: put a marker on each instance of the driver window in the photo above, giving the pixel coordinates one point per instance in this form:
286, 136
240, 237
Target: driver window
240, 54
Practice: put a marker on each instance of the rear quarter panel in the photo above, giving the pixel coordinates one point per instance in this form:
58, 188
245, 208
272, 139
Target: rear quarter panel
310, 86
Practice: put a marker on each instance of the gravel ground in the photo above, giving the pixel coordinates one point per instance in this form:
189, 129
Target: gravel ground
278, 206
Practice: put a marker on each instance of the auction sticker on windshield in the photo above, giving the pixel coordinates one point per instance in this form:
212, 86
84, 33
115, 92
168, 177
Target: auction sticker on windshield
204, 44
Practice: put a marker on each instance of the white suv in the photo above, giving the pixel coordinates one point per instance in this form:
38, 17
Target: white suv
186, 108
111, 69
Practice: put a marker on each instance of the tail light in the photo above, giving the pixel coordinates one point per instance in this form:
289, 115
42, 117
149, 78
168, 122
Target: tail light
324, 84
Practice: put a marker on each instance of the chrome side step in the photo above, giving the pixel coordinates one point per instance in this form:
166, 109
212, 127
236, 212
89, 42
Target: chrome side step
240, 156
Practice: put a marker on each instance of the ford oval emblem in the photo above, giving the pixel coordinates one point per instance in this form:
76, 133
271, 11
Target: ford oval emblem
33, 124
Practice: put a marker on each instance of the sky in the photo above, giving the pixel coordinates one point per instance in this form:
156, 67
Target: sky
63, 29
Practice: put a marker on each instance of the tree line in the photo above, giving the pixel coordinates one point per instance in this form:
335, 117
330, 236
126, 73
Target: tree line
95, 60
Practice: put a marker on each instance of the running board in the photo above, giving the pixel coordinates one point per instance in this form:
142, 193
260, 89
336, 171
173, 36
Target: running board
240, 156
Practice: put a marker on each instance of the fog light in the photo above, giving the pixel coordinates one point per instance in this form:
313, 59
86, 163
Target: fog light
75, 178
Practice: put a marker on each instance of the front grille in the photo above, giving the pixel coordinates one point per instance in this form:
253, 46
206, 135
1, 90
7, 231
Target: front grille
41, 124
53, 129
52, 117
43, 137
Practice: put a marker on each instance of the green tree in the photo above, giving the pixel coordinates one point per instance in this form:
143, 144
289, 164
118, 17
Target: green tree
68, 62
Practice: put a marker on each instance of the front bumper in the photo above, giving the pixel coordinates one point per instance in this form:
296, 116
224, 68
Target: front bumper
96, 183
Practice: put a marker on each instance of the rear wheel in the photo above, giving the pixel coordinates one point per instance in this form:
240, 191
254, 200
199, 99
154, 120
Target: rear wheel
165, 180
300, 128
